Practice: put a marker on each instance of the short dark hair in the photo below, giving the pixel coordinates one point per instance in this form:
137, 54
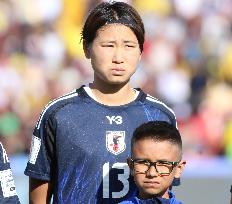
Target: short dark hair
158, 131
113, 12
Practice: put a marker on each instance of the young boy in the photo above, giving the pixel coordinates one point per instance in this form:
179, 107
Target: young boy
156, 159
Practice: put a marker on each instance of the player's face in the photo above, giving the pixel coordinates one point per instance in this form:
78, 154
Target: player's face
151, 183
114, 54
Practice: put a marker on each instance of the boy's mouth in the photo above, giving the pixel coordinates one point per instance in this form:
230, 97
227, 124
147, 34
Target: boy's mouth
151, 183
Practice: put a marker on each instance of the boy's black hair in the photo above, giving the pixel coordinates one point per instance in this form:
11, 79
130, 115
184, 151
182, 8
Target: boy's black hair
158, 131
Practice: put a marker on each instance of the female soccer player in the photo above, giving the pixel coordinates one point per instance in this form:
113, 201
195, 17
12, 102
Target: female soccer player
82, 139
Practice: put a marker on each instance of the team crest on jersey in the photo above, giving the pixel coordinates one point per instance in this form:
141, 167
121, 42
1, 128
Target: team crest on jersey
115, 141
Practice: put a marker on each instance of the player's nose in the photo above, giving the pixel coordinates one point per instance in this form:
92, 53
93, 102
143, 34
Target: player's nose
118, 56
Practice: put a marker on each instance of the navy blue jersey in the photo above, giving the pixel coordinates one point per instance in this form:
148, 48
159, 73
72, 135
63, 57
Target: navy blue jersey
81, 146
7, 188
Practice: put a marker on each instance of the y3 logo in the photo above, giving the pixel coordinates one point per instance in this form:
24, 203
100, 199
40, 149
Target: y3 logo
115, 119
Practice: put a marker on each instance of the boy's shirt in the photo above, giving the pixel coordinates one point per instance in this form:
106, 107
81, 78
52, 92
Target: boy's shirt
156, 200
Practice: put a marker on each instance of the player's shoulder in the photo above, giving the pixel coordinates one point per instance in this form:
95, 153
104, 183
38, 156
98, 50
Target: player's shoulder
155, 104
151, 100
7, 188
1, 153
1, 148
60, 101
4, 161
56, 104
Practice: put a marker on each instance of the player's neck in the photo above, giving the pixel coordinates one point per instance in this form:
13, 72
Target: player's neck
113, 95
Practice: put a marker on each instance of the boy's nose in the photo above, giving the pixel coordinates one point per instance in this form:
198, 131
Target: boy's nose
152, 172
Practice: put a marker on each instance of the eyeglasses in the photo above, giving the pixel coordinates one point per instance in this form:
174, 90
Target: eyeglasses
163, 168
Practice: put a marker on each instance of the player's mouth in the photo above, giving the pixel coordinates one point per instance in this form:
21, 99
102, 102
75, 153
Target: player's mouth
118, 71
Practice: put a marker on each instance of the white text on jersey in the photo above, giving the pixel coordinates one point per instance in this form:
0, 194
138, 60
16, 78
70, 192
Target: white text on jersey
115, 119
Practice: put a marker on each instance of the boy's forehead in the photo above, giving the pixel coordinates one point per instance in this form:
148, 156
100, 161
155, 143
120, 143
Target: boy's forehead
150, 140
149, 146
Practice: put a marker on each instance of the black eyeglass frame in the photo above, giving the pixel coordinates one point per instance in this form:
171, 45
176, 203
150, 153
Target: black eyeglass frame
174, 164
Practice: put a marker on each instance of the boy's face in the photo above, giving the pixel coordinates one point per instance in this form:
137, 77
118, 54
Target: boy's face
150, 182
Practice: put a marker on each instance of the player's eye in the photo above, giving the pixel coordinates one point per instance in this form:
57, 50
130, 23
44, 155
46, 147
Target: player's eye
108, 45
130, 46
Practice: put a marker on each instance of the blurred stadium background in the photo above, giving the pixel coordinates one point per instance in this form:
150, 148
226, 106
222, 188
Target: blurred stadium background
187, 63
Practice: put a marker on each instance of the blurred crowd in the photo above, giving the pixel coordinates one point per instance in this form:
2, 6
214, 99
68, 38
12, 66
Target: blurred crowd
186, 63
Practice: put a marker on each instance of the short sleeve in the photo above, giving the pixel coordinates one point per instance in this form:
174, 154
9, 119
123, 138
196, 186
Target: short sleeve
41, 157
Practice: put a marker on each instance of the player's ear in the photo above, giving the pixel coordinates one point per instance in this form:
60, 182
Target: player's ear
180, 169
86, 48
130, 164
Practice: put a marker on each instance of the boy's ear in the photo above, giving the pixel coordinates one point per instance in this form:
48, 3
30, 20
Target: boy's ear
130, 164
86, 48
180, 169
